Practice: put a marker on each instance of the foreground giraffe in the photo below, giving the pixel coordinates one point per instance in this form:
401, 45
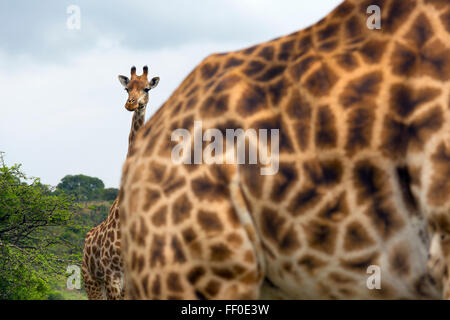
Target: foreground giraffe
364, 167
102, 262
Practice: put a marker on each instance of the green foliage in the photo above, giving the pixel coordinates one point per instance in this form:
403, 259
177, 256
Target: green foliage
32, 220
109, 194
85, 188
19, 282
42, 231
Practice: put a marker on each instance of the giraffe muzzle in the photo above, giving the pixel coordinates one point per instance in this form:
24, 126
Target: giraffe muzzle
134, 107
131, 105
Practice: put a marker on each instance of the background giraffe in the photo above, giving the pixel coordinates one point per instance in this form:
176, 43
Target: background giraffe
102, 262
364, 167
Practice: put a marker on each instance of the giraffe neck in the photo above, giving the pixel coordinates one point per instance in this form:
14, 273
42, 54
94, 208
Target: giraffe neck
136, 124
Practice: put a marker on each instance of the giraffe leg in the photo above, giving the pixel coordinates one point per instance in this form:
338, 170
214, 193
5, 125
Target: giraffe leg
114, 287
94, 288
92, 285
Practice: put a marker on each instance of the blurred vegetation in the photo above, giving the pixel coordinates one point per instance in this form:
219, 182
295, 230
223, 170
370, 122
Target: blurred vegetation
42, 231
85, 188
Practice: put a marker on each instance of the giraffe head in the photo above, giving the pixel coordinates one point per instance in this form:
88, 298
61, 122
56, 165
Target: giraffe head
138, 88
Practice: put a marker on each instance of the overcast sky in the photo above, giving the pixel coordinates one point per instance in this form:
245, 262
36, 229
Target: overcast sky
61, 105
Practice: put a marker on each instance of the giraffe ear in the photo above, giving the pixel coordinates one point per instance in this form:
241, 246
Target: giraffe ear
154, 82
124, 80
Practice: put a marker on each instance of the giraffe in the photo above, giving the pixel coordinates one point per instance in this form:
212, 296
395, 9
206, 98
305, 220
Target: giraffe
102, 262
364, 167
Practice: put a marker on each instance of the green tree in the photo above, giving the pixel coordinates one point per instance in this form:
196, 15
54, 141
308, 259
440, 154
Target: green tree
82, 187
109, 194
31, 220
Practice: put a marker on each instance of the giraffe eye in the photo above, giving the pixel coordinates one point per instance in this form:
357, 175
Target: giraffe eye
126, 89
147, 89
